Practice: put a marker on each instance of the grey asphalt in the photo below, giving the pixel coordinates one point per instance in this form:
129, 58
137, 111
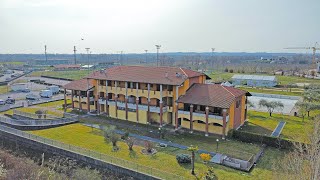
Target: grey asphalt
153, 140
277, 131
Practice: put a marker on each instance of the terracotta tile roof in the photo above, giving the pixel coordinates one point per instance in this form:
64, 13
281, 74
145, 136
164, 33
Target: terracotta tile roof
67, 66
213, 95
145, 74
81, 85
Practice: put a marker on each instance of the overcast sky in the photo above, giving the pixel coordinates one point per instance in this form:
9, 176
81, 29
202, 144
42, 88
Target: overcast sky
178, 25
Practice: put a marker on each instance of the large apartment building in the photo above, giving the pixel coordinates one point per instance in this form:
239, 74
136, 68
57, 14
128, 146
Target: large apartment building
160, 95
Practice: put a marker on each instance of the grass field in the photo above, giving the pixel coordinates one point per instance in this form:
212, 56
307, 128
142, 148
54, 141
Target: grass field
262, 123
4, 89
75, 75
272, 91
283, 80
164, 160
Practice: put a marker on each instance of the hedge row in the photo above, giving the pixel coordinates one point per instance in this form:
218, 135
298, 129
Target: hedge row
261, 139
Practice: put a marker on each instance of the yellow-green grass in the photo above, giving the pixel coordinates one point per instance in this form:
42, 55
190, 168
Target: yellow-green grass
85, 137
221, 76
54, 104
32, 110
4, 89
13, 63
272, 91
262, 123
75, 75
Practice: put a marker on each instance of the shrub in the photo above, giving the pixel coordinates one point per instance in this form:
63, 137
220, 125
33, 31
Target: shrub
125, 136
231, 71
210, 175
148, 146
183, 158
205, 157
226, 70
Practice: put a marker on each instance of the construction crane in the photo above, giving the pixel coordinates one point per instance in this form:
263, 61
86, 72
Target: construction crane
314, 49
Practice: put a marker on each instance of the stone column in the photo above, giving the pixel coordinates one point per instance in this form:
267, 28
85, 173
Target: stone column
98, 104
207, 119
148, 113
107, 98
88, 101
72, 103
80, 104
176, 107
137, 101
65, 100
191, 118
176, 116
126, 100
161, 106
116, 97
224, 118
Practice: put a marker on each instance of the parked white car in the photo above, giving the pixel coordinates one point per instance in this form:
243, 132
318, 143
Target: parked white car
2, 102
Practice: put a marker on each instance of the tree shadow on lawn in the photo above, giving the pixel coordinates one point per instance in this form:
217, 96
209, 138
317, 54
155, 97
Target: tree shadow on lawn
133, 154
258, 117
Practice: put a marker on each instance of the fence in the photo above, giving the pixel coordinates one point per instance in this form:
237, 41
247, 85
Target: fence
276, 96
37, 122
96, 155
34, 116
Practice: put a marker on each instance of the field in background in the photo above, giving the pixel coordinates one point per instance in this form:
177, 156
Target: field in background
75, 75
283, 80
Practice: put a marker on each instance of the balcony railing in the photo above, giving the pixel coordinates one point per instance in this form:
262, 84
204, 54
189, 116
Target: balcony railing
134, 106
133, 91
203, 115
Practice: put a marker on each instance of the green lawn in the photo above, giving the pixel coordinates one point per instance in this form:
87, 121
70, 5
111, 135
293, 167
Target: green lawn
272, 91
75, 75
4, 89
283, 80
164, 160
262, 123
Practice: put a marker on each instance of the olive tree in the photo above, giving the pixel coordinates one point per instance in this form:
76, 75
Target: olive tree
271, 105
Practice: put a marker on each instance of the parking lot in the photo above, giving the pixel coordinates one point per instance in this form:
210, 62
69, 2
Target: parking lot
34, 88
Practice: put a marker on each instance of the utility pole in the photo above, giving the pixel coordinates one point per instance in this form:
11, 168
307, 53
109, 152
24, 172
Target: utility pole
74, 53
88, 59
45, 52
212, 50
146, 55
158, 47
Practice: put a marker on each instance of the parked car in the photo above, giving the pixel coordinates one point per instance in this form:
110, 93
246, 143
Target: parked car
10, 100
32, 97
26, 90
46, 93
2, 102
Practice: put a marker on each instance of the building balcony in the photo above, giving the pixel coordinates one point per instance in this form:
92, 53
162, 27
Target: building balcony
155, 109
133, 92
199, 115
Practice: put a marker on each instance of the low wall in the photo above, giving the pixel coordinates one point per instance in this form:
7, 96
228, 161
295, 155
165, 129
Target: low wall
93, 162
66, 79
276, 96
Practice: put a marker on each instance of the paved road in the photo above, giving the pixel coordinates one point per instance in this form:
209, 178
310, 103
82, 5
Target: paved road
277, 131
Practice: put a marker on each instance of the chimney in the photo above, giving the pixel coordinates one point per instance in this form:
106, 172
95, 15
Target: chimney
166, 74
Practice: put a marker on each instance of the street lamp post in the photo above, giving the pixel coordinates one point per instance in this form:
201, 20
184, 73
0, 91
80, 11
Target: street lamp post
217, 144
160, 132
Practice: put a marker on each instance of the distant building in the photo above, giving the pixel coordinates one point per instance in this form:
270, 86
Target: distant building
66, 67
254, 80
49, 62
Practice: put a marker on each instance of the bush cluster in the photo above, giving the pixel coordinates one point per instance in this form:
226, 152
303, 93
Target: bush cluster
183, 158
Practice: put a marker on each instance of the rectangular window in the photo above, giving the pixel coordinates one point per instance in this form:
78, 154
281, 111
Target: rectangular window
237, 103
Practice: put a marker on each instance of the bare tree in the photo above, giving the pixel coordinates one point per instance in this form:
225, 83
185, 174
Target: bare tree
303, 162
